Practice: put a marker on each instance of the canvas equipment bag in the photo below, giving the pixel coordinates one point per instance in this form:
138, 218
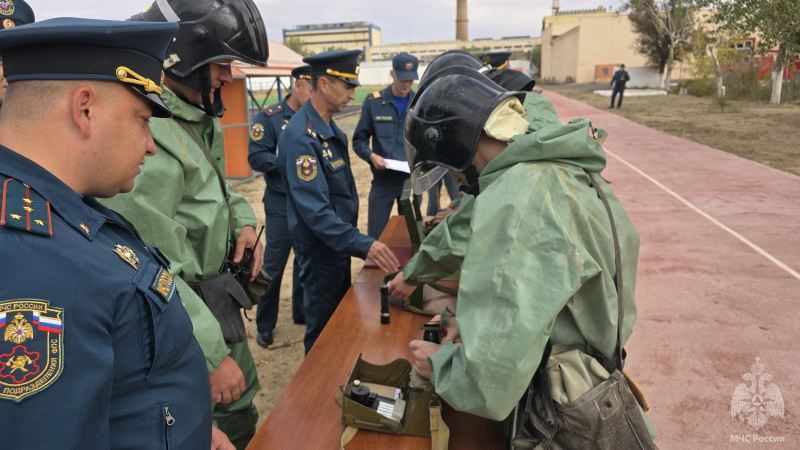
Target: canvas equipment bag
421, 410
608, 416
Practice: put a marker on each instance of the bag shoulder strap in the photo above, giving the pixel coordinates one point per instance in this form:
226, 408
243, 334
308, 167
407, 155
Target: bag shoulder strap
618, 358
210, 158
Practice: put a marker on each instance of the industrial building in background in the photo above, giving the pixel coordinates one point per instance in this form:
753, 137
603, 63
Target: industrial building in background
335, 36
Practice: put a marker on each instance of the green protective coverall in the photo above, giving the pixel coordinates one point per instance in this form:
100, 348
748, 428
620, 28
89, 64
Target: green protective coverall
177, 206
537, 262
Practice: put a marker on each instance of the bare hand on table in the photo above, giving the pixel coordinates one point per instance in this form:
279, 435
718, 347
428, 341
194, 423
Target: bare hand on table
383, 257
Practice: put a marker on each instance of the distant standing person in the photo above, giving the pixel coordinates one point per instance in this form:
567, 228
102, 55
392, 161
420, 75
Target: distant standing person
322, 198
382, 119
618, 83
263, 157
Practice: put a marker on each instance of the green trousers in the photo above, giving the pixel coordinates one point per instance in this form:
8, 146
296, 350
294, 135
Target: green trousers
238, 419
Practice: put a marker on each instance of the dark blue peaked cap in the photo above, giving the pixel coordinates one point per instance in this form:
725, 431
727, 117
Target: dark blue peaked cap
342, 64
302, 72
498, 60
15, 13
85, 49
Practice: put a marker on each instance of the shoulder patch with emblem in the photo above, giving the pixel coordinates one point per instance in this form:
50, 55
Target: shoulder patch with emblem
31, 350
272, 110
374, 95
257, 132
306, 167
163, 285
22, 208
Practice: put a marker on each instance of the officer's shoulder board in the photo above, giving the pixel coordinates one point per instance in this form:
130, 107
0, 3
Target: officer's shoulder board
311, 131
272, 110
374, 95
22, 208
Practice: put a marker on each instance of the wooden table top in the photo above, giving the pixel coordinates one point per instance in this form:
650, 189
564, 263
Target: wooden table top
306, 415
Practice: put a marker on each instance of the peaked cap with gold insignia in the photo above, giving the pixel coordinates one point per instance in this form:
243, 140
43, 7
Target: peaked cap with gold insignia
85, 49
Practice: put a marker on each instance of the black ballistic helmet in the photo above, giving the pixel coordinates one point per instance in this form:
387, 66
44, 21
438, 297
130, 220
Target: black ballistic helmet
452, 58
443, 128
513, 80
210, 30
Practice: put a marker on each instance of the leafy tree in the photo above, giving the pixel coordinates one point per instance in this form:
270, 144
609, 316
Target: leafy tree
332, 48
297, 45
774, 23
714, 47
664, 29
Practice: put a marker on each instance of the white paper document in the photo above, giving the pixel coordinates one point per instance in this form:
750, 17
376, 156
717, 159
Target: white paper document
400, 166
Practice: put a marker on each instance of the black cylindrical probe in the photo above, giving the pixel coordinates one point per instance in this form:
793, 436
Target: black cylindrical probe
384, 304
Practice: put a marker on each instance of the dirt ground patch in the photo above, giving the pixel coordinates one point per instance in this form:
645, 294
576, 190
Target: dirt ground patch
761, 132
758, 131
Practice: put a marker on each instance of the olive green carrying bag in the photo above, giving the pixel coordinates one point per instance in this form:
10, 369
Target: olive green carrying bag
422, 409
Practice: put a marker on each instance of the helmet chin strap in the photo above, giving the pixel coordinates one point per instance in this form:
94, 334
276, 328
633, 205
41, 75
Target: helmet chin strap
200, 81
215, 109
472, 187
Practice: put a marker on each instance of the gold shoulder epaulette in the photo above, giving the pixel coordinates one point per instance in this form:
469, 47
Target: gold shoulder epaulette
376, 94
24, 209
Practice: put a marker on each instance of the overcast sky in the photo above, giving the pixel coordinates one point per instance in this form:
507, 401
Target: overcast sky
400, 21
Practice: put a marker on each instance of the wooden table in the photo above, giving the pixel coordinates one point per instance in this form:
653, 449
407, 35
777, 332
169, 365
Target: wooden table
306, 415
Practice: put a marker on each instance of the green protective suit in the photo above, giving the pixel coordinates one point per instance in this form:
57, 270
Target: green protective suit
537, 261
441, 253
177, 206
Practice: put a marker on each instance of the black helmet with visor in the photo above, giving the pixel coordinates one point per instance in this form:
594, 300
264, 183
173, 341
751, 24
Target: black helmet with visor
444, 126
210, 30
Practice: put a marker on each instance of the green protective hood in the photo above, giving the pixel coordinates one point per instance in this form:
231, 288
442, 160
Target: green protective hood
547, 139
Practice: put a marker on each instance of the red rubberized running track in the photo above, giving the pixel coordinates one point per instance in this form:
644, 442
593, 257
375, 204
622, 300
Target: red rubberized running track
718, 283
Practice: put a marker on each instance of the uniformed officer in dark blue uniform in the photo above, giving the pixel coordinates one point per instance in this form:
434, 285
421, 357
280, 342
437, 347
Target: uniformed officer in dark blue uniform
13, 15
504, 75
97, 349
321, 191
382, 119
267, 126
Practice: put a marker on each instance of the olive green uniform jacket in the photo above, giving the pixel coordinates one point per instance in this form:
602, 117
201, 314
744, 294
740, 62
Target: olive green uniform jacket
176, 205
537, 262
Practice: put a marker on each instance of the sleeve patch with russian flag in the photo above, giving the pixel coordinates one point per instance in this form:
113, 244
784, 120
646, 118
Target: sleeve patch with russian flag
31, 348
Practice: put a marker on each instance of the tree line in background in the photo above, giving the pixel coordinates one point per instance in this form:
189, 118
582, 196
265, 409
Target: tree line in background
714, 32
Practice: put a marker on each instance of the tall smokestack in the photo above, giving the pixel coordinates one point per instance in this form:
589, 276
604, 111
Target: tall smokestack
462, 29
